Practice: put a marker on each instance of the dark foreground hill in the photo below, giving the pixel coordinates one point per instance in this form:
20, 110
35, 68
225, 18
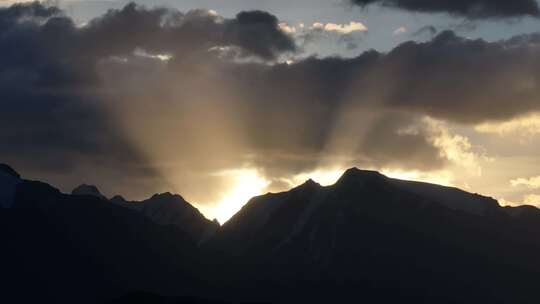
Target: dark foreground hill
59, 248
366, 239
165, 209
386, 241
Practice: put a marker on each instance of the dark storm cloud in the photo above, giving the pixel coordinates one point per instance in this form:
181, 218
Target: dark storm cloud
464, 80
35, 36
258, 32
449, 77
296, 107
166, 30
53, 116
473, 9
38, 114
426, 30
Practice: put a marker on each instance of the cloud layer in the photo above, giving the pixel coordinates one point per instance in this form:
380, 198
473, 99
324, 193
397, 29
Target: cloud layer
169, 98
54, 97
473, 9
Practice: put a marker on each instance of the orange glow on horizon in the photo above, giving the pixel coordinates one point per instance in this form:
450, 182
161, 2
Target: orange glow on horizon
247, 183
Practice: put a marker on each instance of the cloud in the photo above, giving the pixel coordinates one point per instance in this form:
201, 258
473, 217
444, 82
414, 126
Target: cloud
285, 27
532, 199
445, 78
428, 30
169, 98
472, 9
454, 147
532, 182
347, 34
345, 28
341, 28
524, 126
395, 140
351, 43
259, 33
56, 102
253, 33
400, 30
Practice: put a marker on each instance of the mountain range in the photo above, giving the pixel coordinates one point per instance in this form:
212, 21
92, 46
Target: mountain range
367, 238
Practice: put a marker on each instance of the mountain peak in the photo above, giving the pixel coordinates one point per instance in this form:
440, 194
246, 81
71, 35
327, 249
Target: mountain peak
310, 183
355, 174
85, 189
8, 170
166, 196
118, 199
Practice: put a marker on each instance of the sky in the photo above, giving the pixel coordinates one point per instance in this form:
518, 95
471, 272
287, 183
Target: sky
222, 100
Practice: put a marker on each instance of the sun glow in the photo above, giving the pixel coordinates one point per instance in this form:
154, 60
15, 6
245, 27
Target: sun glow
247, 183
440, 178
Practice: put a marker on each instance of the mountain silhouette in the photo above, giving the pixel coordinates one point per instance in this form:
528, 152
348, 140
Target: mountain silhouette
62, 248
9, 179
172, 209
165, 209
367, 238
90, 190
385, 241
285, 215
9, 171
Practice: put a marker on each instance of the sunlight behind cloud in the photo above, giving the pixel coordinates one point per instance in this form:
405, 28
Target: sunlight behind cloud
456, 148
532, 182
343, 28
247, 184
524, 127
11, 2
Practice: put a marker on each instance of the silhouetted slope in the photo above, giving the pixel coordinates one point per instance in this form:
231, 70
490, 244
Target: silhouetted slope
90, 190
378, 239
269, 219
172, 209
9, 171
165, 209
9, 179
453, 198
366, 239
59, 248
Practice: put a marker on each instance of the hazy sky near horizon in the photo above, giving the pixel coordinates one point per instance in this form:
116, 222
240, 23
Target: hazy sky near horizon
220, 100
